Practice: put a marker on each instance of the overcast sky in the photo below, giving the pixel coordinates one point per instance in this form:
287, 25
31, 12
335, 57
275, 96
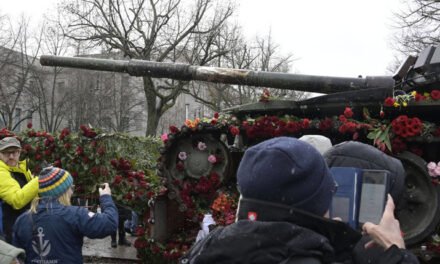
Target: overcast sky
335, 38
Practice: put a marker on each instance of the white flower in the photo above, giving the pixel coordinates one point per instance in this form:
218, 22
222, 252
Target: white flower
201, 146
182, 155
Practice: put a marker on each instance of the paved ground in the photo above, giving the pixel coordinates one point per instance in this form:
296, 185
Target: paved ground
100, 251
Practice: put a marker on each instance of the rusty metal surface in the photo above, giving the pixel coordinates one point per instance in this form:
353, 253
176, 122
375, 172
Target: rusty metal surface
186, 72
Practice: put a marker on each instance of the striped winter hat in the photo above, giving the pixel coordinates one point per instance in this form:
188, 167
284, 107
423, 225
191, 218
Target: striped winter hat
54, 182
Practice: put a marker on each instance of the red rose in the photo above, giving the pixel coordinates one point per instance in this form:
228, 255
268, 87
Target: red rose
57, 163
174, 129
435, 94
79, 150
419, 97
128, 196
389, 101
348, 112
342, 118
95, 170
117, 180
27, 147
325, 124
234, 130
398, 145
306, 123
216, 115
180, 166
29, 125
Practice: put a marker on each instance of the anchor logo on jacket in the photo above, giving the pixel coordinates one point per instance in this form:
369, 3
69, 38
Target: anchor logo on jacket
41, 247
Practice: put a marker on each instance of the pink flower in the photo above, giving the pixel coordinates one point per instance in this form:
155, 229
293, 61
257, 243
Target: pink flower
164, 137
431, 165
201, 146
212, 159
182, 155
437, 171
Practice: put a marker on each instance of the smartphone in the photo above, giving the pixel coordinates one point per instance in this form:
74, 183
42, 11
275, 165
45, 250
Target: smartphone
345, 201
375, 187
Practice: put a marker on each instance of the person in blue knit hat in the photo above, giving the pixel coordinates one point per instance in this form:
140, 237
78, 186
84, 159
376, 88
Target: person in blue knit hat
286, 190
52, 231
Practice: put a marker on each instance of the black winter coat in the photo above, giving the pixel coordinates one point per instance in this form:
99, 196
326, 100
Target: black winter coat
299, 238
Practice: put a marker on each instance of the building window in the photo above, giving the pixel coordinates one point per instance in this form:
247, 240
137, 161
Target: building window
61, 87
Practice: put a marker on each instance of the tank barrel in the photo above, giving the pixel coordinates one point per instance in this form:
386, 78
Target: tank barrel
180, 71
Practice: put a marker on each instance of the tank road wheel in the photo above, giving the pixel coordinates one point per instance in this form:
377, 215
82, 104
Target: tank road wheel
420, 214
191, 156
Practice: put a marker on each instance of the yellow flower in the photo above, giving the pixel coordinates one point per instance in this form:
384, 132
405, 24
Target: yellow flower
414, 93
396, 104
404, 104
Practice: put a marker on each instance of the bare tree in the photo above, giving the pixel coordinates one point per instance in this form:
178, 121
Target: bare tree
16, 67
151, 30
261, 55
107, 100
419, 25
48, 87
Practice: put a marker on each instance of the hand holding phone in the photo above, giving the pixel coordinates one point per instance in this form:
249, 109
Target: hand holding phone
104, 189
387, 232
375, 187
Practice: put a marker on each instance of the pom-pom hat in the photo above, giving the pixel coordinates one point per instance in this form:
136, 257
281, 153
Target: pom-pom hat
287, 171
53, 182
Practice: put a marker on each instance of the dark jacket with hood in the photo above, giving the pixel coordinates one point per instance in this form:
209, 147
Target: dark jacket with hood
282, 235
360, 155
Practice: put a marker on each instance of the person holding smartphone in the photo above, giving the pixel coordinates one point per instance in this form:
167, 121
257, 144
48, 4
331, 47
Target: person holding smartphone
286, 190
367, 157
52, 231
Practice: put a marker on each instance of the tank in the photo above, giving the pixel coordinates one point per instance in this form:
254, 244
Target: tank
399, 114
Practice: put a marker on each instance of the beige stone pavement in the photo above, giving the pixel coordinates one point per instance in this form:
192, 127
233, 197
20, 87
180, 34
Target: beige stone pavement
101, 248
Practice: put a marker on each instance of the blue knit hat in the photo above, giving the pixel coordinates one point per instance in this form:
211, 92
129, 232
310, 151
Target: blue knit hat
54, 182
286, 171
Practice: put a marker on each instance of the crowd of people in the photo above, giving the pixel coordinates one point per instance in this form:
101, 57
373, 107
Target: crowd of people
39, 224
285, 186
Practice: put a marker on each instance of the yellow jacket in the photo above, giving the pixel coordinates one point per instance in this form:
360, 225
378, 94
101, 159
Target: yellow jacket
10, 191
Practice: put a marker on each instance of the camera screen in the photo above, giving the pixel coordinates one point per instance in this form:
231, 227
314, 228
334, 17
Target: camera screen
373, 196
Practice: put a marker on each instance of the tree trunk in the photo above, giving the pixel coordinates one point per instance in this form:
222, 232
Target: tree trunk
152, 111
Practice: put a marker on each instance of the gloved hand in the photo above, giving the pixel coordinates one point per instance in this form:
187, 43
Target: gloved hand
105, 190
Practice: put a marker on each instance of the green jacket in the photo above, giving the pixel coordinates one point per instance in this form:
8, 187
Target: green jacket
10, 190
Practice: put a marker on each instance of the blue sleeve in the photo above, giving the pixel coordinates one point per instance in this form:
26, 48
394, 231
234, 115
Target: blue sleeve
100, 225
22, 230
